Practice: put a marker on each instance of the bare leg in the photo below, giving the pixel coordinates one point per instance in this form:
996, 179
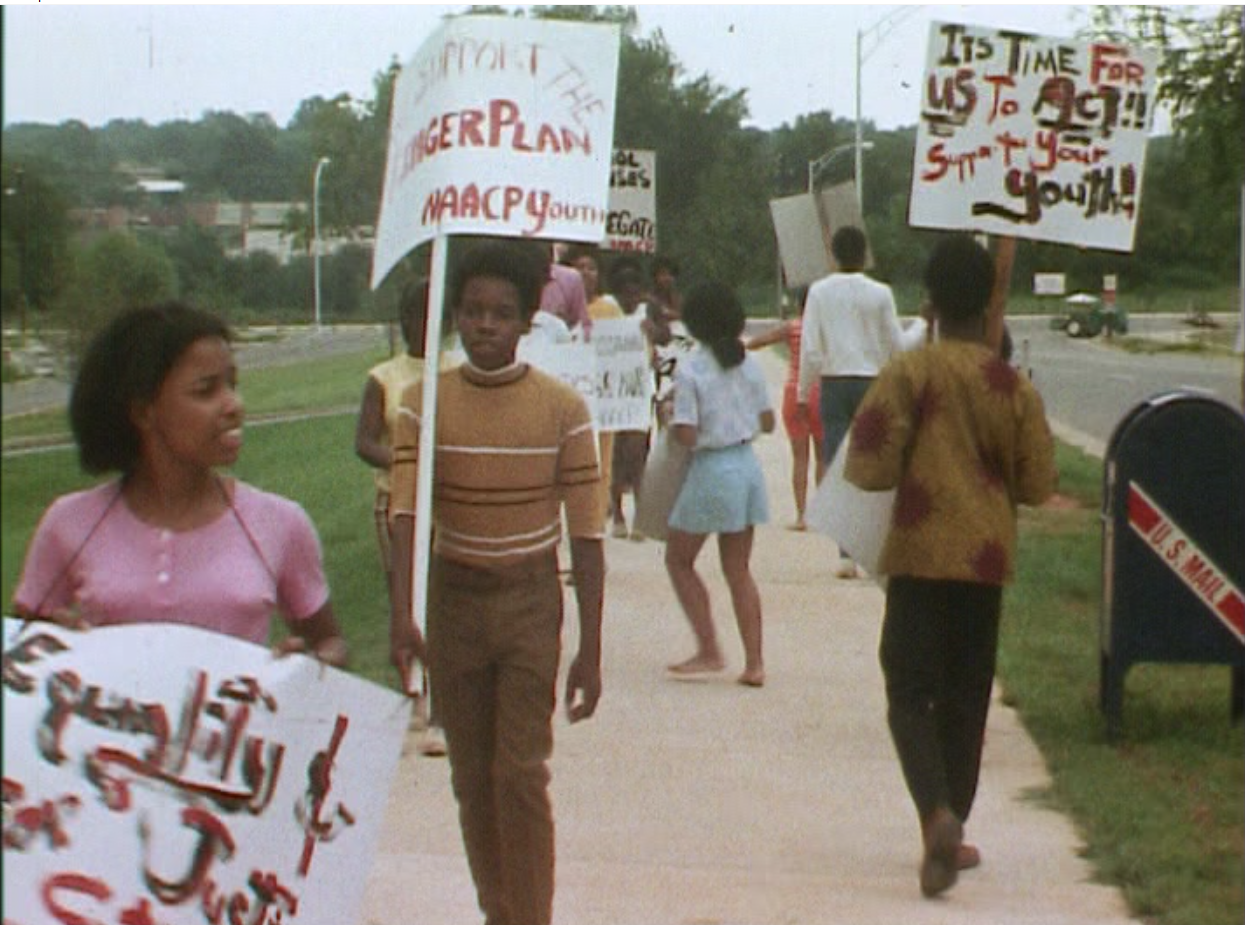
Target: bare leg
735, 550
819, 451
681, 552
616, 506
799, 478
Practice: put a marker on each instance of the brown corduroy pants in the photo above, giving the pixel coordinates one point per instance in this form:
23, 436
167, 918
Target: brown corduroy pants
494, 642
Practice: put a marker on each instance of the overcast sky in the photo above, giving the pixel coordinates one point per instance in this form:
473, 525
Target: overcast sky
163, 62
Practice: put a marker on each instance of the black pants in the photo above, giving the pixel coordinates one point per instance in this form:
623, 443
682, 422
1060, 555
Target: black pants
939, 641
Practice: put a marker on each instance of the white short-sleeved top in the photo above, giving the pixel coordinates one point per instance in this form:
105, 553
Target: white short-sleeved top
724, 405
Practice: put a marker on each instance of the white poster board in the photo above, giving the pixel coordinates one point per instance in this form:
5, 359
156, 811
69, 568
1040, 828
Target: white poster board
612, 371
500, 126
574, 363
857, 520
625, 385
162, 773
632, 221
1032, 137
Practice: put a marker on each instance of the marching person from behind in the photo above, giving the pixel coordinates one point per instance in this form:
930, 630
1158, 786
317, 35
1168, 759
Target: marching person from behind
721, 403
851, 328
963, 438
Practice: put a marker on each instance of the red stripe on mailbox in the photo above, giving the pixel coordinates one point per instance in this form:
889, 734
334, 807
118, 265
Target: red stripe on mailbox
1176, 549
1232, 607
1141, 513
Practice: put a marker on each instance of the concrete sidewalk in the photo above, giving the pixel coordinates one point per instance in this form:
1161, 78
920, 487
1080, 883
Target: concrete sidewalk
695, 803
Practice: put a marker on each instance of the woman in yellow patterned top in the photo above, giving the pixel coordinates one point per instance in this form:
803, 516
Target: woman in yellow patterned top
963, 438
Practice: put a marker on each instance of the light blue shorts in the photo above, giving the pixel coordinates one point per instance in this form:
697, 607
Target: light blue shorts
724, 492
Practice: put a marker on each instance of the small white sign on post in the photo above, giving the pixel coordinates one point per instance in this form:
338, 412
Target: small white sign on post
166, 774
632, 221
1049, 283
1033, 137
500, 126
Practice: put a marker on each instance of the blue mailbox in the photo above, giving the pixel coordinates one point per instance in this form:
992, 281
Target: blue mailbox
1173, 542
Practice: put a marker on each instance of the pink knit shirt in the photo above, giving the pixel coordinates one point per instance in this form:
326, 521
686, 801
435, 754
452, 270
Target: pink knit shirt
229, 576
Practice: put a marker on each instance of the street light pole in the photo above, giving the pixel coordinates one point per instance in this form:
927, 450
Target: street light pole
877, 33
315, 231
818, 165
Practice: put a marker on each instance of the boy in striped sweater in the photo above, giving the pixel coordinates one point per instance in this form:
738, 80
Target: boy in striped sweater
514, 447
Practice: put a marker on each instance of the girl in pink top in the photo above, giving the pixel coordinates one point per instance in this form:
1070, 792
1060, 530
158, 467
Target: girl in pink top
171, 540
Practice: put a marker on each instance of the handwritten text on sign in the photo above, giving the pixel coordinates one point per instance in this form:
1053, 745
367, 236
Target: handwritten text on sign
165, 775
500, 126
611, 372
1032, 137
632, 221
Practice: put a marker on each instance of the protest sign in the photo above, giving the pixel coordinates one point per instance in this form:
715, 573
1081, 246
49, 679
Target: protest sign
611, 372
632, 221
167, 775
573, 363
624, 376
500, 126
1032, 137
805, 225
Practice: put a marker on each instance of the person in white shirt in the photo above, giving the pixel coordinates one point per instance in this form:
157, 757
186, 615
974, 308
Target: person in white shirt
851, 329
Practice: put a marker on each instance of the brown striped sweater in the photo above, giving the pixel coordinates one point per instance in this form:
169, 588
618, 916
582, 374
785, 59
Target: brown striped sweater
512, 447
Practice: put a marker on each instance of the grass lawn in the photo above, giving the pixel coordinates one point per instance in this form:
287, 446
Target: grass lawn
1161, 810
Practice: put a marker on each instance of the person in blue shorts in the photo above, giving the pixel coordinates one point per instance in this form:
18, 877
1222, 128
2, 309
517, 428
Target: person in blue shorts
721, 403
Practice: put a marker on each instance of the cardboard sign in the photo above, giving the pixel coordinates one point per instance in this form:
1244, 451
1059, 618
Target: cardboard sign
501, 126
804, 226
632, 221
1032, 137
156, 773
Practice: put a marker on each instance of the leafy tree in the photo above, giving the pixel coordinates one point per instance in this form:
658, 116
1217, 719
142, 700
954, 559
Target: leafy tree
1201, 77
201, 265
116, 272
35, 227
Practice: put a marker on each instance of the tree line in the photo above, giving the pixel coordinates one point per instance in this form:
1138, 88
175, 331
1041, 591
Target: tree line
716, 177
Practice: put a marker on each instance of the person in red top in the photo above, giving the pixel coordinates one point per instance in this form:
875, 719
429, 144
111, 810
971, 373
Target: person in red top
802, 422
963, 438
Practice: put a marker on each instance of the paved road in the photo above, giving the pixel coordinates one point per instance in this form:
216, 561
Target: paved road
709, 803
1089, 387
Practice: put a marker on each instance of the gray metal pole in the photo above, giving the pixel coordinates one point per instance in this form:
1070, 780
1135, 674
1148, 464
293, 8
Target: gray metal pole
315, 233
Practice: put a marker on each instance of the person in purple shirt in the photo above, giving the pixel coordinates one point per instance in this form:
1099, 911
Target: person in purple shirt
171, 540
